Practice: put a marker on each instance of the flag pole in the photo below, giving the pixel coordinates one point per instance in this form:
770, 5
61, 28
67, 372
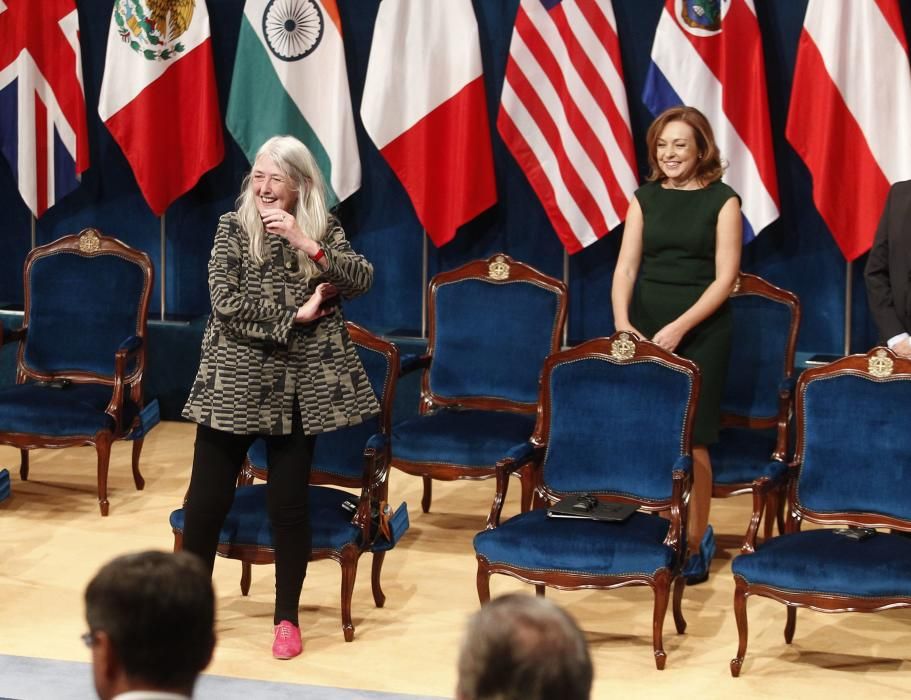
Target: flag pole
34, 231
424, 291
161, 237
848, 297
566, 282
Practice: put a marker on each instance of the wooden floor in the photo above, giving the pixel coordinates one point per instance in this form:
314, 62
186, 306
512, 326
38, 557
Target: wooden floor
53, 539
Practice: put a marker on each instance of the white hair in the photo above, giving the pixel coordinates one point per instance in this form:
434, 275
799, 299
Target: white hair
299, 166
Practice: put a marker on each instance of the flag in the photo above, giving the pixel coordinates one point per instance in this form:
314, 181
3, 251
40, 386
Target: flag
290, 78
424, 108
850, 113
563, 115
158, 96
708, 55
42, 106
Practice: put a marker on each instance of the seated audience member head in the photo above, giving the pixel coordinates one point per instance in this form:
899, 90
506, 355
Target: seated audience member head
522, 647
151, 619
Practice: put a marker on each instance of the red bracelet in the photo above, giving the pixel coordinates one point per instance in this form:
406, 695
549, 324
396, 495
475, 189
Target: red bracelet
319, 255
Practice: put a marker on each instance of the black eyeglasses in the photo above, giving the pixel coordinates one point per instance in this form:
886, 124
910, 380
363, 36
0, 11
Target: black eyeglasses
88, 639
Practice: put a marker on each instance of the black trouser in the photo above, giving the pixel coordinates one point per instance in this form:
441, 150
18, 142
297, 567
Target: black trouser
217, 460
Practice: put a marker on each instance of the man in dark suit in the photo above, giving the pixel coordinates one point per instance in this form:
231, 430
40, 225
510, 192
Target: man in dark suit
888, 271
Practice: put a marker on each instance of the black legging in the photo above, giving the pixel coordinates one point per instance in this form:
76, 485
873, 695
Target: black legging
217, 460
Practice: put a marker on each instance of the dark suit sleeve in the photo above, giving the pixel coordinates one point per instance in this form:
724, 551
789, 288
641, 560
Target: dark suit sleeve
876, 274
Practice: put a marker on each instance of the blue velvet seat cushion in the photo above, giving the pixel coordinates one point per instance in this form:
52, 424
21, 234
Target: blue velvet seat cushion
68, 412
740, 454
534, 542
465, 438
824, 562
248, 523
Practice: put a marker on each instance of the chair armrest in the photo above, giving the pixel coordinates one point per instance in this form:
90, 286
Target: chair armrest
774, 476
516, 458
786, 386
411, 362
682, 475
11, 335
127, 349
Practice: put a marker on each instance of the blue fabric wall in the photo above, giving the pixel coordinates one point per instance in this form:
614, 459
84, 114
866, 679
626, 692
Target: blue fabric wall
796, 252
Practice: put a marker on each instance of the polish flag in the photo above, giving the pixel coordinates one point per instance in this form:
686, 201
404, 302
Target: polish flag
424, 107
158, 96
850, 113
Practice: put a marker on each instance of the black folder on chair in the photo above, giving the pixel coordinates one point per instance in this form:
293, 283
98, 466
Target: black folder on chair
588, 507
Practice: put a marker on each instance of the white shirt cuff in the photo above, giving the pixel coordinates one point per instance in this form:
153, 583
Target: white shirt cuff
896, 339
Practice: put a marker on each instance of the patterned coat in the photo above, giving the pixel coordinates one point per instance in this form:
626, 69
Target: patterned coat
255, 359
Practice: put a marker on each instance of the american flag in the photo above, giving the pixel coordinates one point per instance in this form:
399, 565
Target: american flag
563, 115
42, 107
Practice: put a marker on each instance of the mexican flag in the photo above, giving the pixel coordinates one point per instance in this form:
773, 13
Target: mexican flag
158, 95
290, 78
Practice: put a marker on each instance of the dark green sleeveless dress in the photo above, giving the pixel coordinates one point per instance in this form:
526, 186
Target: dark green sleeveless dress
678, 263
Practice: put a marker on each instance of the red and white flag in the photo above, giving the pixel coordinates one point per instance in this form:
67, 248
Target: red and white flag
425, 109
850, 113
564, 117
42, 108
158, 95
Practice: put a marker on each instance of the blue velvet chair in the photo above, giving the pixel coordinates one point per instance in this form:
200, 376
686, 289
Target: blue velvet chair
758, 398
615, 422
851, 471
81, 351
355, 458
492, 324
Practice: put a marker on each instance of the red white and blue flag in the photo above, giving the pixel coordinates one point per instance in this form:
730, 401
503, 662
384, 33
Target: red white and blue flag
563, 116
707, 54
42, 106
850, 113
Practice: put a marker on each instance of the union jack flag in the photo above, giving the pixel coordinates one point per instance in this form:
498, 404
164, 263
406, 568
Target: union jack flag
42, 107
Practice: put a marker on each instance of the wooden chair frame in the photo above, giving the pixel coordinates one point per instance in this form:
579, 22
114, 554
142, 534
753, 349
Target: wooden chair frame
90, 242
498, 269
863, 364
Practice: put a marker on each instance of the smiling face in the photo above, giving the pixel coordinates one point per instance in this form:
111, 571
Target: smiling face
272, 189
677, 153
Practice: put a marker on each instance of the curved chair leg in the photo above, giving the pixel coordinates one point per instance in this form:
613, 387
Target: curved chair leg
528, 489
790, 625
349, 573
103, 448
540, 589
376, 570
740, 614
771, 514
483, 582
428, 494
662, 594
178, 541
679, 621
137, 477
23, 465
246, 575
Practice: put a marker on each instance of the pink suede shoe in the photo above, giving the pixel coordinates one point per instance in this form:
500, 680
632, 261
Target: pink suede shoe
287, 642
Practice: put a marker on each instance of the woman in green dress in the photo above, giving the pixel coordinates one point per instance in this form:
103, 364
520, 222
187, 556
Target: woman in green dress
677, 265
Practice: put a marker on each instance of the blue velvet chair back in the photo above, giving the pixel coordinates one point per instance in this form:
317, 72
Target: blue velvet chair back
854, 441
341, 452
763, 344
615, 425
492, 325
80, 306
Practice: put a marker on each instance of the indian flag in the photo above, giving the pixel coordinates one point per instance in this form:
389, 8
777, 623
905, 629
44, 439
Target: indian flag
290, 78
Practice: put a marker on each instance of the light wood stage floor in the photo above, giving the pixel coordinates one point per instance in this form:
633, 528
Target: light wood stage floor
54, 539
